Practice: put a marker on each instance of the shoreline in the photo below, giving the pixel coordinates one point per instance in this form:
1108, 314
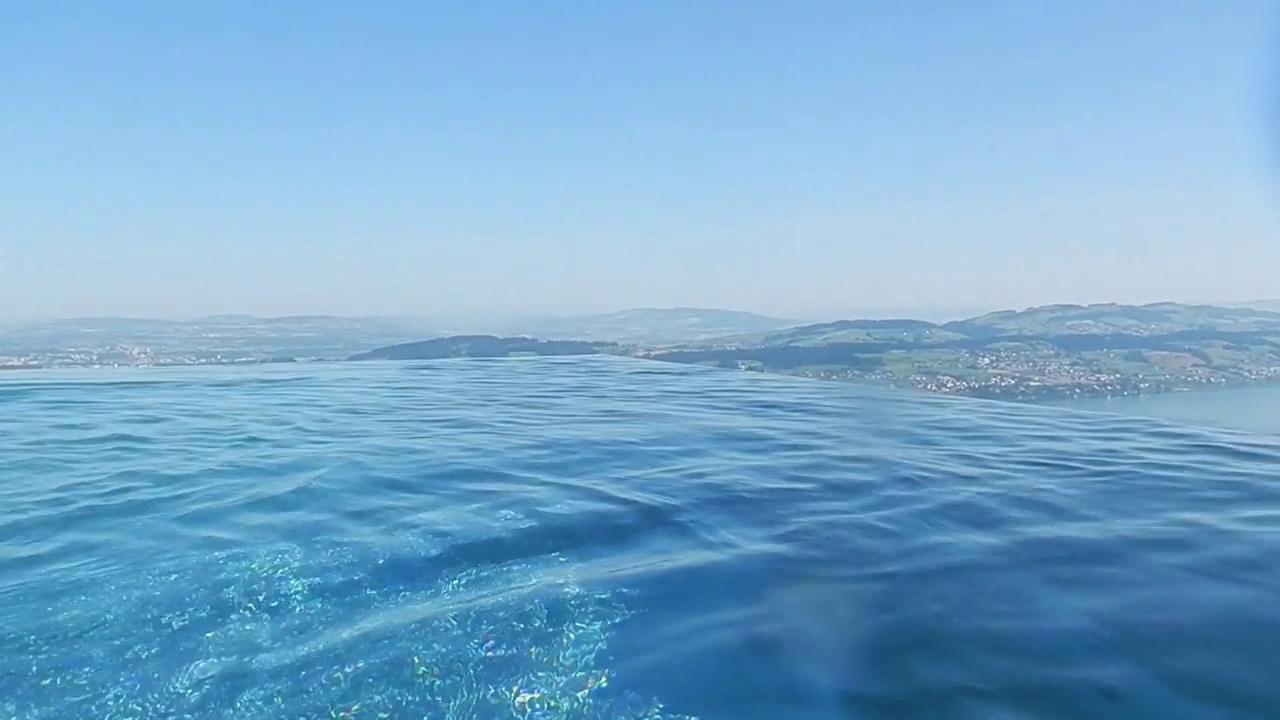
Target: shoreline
1013, 391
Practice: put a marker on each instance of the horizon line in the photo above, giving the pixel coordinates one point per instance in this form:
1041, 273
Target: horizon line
1232, 304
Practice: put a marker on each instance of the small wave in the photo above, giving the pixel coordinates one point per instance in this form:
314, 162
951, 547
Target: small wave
603, 538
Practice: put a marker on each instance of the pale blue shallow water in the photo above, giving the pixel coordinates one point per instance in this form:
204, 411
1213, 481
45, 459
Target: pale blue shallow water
1249, 409
608, 538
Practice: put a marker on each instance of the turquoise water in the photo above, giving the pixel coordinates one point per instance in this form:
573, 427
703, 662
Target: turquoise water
1250, 409
611, 538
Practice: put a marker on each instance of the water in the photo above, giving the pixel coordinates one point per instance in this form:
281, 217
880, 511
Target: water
612, 538
1251, 409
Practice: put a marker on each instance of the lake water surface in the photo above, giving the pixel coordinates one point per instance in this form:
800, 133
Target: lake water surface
1249, 409
612, 538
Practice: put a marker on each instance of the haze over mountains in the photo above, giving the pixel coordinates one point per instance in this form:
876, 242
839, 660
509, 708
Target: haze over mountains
133, 340
1047, 351
647, 326
336, 336
1052, 351
1272, 305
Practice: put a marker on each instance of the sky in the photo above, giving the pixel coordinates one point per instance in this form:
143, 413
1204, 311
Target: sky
810, 158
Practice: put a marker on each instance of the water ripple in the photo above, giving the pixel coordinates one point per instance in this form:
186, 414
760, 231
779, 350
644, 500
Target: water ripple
607, 538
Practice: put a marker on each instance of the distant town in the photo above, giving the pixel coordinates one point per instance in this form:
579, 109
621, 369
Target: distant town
123, 356
1031, 376
1045, 353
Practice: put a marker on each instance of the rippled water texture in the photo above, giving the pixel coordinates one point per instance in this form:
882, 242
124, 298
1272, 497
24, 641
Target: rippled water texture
612, 538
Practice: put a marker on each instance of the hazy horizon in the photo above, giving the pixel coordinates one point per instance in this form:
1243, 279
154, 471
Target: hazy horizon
499, 317
809, 161
938, 315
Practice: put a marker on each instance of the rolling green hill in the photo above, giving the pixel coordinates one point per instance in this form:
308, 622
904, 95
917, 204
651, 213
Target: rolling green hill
1054, 350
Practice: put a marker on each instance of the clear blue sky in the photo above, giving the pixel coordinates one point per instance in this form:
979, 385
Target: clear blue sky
800, 158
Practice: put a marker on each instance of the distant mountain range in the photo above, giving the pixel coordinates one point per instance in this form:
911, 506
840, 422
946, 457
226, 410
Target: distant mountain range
589, 334
1098, 324
1047, 321
330, 336
1050, 351
645, 326
1273, 305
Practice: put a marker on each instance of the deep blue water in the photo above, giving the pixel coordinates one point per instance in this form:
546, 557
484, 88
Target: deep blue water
610, 538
